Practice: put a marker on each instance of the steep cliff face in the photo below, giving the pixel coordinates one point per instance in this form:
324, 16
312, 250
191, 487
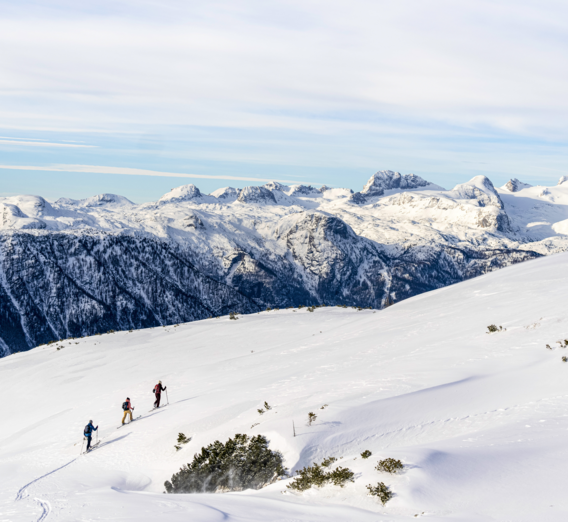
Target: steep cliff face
61, 285
76, 268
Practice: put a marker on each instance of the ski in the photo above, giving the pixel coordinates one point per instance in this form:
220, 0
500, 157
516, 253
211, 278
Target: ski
126, 424
158, 408
93, 446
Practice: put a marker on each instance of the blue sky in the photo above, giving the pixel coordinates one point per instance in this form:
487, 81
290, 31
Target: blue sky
136, 98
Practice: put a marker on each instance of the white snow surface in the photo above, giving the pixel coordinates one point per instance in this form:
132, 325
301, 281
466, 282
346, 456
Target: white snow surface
479, 420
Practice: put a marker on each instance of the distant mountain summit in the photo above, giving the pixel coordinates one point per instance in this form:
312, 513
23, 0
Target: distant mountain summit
388, 180
514, 185
179, 194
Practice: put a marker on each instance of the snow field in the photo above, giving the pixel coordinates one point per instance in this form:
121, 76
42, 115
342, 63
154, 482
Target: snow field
479, 420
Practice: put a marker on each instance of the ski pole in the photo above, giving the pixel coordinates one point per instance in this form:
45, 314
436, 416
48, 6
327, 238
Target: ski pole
167, 398
82, 444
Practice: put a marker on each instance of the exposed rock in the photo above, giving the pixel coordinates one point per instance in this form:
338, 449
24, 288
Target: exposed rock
256, 195
514, 185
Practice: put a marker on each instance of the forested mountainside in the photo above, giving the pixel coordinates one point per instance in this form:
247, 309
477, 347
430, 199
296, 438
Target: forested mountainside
79, 267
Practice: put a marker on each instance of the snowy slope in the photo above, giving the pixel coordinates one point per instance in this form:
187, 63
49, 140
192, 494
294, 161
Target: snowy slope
73, 268
480, 420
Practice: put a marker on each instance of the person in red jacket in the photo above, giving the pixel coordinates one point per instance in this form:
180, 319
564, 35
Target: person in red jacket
128, 408
158, 389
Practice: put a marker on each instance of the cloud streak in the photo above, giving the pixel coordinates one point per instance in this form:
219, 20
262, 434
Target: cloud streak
126, 171
38, 143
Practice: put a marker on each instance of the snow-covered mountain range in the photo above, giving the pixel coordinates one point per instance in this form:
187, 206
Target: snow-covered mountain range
478, 420
76, 267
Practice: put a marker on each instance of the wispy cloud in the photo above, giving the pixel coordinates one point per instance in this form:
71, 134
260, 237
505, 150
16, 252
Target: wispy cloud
38, 143
126, 171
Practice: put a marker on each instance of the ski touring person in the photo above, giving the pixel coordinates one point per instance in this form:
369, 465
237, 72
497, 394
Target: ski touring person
88, 433
158, 389
128, 409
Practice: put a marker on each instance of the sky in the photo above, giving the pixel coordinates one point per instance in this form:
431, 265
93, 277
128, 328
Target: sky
138, 97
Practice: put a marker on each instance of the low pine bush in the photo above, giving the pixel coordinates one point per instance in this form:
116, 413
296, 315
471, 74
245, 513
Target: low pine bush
366, 454
241, 463
493, 328
389, 466
182, 439
317, 476
328, 462
311, 418
382, 491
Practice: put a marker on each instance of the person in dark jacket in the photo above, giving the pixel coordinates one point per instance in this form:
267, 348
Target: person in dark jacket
88, 433
158, 389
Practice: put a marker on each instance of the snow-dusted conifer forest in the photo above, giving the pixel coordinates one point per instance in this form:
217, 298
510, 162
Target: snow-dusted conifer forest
72, 268
464, 385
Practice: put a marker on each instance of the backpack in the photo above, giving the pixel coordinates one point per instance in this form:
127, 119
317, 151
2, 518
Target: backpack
87, 430
125, 406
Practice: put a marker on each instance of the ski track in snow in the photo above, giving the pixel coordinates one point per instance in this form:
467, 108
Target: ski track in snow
46, 509
23, 489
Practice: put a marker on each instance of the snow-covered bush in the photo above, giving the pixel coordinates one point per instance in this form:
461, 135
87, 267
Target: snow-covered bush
317, 476
382, 491
241, 463
366, 454
389, 465
564, 358
311, 418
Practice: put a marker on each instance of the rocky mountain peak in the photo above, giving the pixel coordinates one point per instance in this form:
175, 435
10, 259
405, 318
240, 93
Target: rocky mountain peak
388, 180
514, 185
256, 195
183, 193
226, 193
101, 200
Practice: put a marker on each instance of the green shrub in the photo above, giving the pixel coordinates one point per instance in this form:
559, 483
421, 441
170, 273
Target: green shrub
366, 454
339, 476
389, 466
182, 439
317, 476
311, 418
564, 358
241, 463
328, 462
382, 491
493, 328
